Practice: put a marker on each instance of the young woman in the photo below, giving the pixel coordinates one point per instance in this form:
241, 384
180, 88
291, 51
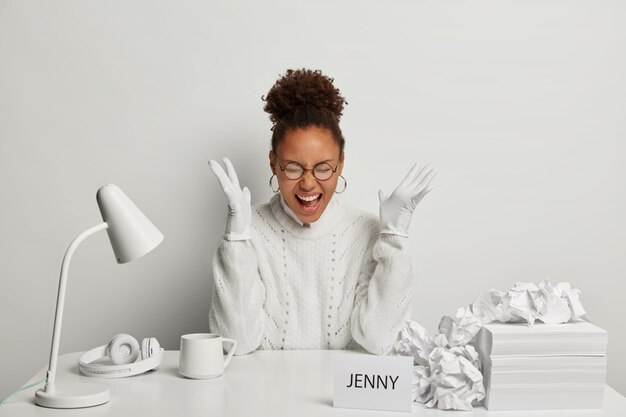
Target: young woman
304, 270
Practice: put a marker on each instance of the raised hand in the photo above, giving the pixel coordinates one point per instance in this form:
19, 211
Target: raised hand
239, 220
397, 209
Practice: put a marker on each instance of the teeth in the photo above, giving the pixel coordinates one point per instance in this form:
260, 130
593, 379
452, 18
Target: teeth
310, 198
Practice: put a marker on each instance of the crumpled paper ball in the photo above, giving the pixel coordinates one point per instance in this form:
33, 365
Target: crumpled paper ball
527, 302
446, 372
460, 330
444, 376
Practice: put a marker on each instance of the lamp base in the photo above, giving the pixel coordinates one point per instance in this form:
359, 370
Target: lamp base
76, 395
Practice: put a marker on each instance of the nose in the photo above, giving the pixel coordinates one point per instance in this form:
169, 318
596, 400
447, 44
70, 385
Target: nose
308, 181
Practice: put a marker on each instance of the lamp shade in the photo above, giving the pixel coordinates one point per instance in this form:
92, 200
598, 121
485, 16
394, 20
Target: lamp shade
131, 234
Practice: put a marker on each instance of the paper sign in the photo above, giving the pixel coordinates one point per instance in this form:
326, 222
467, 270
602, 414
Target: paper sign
372, 382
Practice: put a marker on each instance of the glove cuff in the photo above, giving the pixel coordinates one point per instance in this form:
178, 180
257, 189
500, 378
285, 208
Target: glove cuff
398, 226
392, 231
238, 236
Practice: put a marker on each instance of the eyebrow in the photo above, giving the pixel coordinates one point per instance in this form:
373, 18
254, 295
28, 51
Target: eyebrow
300, 163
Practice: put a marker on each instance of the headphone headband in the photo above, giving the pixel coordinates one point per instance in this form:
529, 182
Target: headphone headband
115, 371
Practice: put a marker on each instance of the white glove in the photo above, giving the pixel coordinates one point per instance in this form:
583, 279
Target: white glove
396, 210
239, 221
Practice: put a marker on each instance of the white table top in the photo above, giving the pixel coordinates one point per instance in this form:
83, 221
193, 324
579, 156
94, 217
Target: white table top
264, 383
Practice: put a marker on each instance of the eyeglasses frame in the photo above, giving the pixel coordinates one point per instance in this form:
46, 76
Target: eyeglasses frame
305, 170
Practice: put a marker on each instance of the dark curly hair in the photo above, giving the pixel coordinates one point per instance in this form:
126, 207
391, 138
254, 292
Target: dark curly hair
302, 98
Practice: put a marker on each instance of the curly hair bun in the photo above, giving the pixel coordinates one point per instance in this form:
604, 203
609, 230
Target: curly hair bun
302, 88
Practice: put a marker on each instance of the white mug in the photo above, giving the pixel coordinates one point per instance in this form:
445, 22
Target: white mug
202, 355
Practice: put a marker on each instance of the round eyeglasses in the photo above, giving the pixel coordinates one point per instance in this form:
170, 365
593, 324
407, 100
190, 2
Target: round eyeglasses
294, 171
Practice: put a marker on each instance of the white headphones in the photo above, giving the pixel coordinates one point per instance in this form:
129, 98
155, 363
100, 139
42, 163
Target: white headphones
123, 350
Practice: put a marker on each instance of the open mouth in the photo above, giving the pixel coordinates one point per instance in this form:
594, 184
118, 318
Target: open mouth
309, 203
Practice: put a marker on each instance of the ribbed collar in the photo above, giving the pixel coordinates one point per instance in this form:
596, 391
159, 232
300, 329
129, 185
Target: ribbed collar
327, 222
290, 212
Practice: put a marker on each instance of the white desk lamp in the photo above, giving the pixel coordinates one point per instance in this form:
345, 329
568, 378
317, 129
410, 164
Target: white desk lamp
132, 235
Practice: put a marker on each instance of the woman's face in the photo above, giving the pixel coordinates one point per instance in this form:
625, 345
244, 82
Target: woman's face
307, 147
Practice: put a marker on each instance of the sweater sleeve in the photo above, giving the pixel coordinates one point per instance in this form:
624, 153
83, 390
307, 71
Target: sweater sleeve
237, 301
383, 294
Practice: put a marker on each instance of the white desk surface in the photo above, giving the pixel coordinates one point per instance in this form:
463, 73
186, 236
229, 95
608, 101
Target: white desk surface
264, 383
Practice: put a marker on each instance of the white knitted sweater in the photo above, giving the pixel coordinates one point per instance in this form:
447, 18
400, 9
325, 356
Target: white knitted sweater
323, 285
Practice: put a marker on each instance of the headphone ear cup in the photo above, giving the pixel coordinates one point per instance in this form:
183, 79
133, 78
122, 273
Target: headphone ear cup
149, 347
123, 349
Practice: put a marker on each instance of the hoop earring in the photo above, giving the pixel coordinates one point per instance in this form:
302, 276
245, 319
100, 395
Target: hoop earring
272, 188
345, 185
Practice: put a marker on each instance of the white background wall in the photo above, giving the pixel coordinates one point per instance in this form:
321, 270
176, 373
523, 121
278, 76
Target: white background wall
519, 104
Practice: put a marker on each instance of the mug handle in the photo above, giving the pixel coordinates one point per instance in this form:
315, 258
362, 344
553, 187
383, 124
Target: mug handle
231, 351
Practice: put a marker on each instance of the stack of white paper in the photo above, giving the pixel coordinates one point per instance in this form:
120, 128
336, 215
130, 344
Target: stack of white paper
542, 366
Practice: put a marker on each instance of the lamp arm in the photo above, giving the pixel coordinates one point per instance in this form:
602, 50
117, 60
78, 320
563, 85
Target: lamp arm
58, 316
